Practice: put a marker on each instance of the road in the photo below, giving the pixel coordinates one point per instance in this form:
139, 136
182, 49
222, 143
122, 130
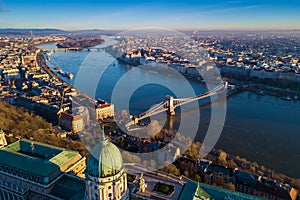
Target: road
43, 65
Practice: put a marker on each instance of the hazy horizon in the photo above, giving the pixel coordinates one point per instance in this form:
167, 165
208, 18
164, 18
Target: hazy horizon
195, 29
179, 15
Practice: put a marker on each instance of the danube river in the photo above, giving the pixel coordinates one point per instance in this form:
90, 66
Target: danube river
264, 129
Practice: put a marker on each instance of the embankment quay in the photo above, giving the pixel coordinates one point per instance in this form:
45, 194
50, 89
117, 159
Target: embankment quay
43, 65
261, 89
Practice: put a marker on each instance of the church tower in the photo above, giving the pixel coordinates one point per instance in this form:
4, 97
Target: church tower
106, 178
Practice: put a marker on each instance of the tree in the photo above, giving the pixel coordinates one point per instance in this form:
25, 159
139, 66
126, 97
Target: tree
296, 183
193, 150
186, 173
232, 164
154, 128
171, 169
130, 158
252, 168
124, 114
230, 186
263, 168
222, 158
153, 163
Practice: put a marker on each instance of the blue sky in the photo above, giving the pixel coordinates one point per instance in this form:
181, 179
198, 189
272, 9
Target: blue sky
185, 14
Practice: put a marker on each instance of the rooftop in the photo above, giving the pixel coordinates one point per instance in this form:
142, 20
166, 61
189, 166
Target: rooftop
69, 187
103, 105
105, 160
192, 190
36, 158
221, 193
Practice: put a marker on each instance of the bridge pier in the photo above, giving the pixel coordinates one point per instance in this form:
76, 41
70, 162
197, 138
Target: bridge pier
136, 120
171, 111
171, 121
170, 105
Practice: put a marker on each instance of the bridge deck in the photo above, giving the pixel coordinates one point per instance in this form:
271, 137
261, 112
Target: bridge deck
163, 106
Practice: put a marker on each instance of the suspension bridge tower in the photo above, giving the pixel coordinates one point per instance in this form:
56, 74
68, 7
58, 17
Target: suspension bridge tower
170, 105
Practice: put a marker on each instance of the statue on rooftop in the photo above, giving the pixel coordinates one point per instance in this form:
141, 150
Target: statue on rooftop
142, 184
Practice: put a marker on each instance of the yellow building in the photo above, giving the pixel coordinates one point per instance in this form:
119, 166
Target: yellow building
105, 110
3, 141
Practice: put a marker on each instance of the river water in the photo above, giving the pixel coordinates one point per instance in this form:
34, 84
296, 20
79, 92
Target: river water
264, 129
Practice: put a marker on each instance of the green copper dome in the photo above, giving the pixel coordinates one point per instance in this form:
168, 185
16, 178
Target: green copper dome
105, 160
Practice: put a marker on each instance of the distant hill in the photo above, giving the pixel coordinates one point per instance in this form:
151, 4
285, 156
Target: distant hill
96, 32
19, 31
47, 31
91, 31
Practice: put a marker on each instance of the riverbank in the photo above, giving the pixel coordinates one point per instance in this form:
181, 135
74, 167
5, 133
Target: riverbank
80, 42
285, 94
257, 88
41, 61
257, 121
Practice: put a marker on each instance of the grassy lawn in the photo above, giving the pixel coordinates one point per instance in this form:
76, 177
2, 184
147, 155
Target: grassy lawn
164, 188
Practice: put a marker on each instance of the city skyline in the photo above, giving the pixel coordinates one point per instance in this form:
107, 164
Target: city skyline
116, 15
148, 113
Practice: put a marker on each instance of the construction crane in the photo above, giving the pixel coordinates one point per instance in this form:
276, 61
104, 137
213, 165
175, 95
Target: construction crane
62, 102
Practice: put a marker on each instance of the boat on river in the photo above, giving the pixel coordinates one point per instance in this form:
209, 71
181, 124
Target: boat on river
287, 98
262, 93
69, 75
